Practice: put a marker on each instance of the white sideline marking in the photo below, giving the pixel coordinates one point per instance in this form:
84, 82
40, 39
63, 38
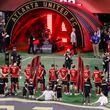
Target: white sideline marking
7, 107
42, 108
26, 59
51, 102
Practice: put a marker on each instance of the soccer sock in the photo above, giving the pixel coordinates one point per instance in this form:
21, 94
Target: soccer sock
12, 86
97, 91
41, 86
6, 85
17, 85
70, 91
66, 90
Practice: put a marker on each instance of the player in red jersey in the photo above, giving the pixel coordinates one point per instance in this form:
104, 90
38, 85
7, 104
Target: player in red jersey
86, 73
97, 79
5, 71
27, 72
15, 73
63, 76
53, 75
73, 79
39, 77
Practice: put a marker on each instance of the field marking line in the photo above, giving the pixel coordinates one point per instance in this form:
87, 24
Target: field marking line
26, 59
7, 107
50, 102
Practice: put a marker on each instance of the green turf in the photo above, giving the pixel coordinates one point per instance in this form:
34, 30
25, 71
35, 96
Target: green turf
48, 59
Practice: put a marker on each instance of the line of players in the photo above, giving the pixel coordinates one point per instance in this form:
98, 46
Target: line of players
69, 78
54, 74
14, 72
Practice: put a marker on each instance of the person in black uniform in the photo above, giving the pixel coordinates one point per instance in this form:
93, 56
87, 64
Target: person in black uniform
14, 56
58, 90
104, 87
7, 58
2, 87
19, 61
87, 90
1, 41
105, 62
68, 59
31, 89
25, 88
31, 45
68, 62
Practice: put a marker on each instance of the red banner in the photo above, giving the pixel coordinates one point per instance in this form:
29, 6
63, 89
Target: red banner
80, 71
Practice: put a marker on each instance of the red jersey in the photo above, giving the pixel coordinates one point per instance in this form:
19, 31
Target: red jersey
5, 70
40, 72
86, 74
97, 76
14, 71
52, 74
73, 75
27, 72
63, 74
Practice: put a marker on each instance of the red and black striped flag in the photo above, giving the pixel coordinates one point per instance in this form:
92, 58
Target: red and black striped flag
34, 65
81, 75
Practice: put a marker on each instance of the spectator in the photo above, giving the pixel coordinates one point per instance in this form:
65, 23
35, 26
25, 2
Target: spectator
95, 41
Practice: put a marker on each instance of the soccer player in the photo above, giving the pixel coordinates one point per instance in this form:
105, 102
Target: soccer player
97, 79
39, 77
15, 73
44, 75
86, 73
63, 76
27, 72
52, 75
73, 79
5, 71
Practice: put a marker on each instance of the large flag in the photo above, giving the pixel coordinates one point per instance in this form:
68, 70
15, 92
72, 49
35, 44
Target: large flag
81, 75
34, 65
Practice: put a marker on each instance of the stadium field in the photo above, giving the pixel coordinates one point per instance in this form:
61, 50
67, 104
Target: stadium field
58, 58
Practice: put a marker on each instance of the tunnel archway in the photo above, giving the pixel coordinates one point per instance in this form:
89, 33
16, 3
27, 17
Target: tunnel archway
32, 16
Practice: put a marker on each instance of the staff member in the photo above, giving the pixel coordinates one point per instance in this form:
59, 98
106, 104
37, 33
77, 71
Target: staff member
74, 40
95, 42
87, 91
